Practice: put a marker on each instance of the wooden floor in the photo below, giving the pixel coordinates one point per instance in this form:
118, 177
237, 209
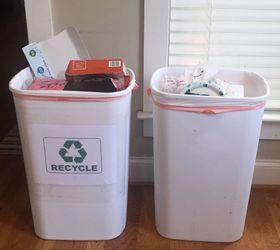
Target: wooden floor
262, 230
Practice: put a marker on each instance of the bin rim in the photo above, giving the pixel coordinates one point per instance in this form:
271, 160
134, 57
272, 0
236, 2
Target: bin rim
155, 92
26, 74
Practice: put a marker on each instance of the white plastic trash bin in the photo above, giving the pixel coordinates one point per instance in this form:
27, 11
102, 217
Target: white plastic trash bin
76, 148
204, 155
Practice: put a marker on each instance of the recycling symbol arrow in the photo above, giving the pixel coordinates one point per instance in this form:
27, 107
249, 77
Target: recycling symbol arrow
63, 152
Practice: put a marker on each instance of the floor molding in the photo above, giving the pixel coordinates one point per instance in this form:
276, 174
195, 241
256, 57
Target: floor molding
10, 145
141, 169
267, 171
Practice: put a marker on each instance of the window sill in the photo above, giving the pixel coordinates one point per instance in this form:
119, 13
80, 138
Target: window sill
270, 128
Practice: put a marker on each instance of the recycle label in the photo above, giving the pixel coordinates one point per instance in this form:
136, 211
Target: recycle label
63, 152
73, 155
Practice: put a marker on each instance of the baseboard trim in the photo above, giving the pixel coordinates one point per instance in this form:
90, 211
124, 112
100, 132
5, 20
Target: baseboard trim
267, 171
141, 169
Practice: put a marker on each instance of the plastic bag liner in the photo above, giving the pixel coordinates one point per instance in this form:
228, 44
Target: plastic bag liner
256, 91
19, 84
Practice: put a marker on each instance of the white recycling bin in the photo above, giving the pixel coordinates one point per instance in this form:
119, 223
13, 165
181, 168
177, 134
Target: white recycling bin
76, 148
204, 155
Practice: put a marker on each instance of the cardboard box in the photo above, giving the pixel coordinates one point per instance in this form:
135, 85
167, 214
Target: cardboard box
104, 75
90, 67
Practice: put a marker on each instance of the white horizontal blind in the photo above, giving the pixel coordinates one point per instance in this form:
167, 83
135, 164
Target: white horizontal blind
242, 34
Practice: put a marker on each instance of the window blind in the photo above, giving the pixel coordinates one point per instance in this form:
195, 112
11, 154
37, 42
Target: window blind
238, 34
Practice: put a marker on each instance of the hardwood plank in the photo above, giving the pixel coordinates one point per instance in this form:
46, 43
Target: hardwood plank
259, 226
63, 245
44, 244
148, 238
21, 234
181, 245
128, 238
95, 245
13, 197
273, 200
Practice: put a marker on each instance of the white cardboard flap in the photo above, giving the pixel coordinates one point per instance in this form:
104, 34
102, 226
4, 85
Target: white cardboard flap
62, 48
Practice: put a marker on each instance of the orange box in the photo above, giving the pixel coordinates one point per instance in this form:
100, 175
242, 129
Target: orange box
80, 71
89, 67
